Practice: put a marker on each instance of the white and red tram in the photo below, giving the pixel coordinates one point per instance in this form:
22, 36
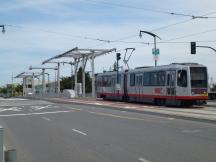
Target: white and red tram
175, 84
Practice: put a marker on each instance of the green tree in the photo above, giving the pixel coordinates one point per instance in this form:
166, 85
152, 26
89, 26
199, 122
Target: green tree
3, 90
66, 82
19, 88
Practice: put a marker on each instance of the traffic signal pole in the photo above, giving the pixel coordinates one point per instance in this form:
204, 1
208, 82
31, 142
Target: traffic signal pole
193, 47
155, 48
207, 47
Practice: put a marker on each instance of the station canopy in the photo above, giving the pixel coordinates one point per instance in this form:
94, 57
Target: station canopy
79, 53
26, 74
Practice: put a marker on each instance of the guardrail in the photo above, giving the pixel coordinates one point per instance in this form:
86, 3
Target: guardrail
1, 145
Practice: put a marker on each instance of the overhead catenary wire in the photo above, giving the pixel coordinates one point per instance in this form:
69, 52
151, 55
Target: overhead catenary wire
59, 33
105, 41
145, 9
190, 35
120, 40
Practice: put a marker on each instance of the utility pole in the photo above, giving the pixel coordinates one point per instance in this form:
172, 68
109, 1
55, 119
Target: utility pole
155, 51
12, 85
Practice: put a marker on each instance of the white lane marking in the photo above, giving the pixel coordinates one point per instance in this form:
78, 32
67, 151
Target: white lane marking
41, 113
130, 107
190, 131
143, 160
75, 130
41, 107
13, 99
170, 118
45, 118
98, 103
10, 109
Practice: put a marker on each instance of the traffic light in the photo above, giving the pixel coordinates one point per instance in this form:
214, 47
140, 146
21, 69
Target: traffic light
118, 56
193, 47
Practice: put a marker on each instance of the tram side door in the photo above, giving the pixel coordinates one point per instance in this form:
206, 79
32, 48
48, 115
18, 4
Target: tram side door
171, 84
125, 87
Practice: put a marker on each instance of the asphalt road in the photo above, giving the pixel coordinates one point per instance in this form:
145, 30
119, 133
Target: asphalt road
48, 132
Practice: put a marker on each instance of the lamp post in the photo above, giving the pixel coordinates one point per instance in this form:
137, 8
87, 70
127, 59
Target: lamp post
155, 36
3, 28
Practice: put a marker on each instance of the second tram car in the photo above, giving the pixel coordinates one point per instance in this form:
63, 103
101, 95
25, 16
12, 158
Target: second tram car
180, 84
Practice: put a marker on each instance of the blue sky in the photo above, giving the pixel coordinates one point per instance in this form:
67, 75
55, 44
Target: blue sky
37, 30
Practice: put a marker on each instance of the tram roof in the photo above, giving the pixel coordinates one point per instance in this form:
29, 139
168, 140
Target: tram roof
172, 65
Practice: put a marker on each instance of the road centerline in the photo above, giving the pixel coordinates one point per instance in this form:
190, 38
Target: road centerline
45, 118
143, 160
80, 132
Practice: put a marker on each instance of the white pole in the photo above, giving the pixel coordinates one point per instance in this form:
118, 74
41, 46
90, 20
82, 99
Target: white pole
58, 78
24, 86
72, 76
75, 81
83, 75
93, 77
33, 85
43, 81
48, 83
12, 90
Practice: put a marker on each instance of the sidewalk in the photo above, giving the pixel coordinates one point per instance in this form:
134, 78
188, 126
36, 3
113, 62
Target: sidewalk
198, 113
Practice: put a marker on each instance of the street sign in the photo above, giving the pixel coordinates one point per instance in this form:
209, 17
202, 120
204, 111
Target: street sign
156, 57
155, 52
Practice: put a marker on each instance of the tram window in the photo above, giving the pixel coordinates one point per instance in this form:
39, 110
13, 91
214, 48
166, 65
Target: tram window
182, 78
104, 81
132, 79
119, 78
138, 80
153, 79
161, 78
146, 78
113, 80
108, 81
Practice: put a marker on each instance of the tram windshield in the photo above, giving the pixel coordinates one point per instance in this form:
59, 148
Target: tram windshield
198, 77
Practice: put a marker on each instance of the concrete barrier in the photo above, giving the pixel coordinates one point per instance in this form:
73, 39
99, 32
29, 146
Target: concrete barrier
10, 156
1, 145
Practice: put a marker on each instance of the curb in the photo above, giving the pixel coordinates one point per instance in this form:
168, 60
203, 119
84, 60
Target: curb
132, 110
